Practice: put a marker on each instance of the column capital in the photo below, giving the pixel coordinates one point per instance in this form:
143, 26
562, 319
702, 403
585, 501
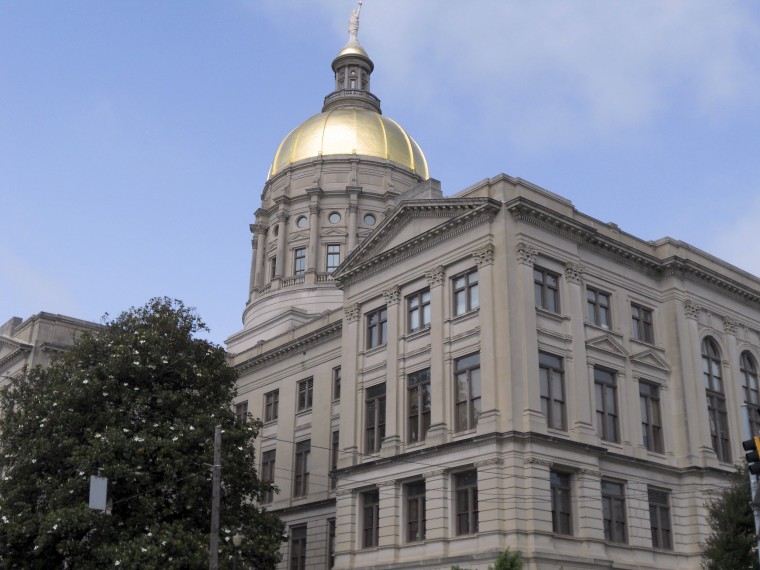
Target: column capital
314, 208
353, 207
573, 272
436, 276
691, 309
538, 461
484, 255
730, 326
351, 313
392, 295
282, 216
526, 254
258, 229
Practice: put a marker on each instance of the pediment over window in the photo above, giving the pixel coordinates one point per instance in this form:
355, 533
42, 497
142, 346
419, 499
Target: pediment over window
332, 232
651, 359
607, 343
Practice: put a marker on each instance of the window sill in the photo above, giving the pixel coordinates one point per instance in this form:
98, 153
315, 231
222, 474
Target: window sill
303, 412
375, 349
412, 335
465, 316
559, 317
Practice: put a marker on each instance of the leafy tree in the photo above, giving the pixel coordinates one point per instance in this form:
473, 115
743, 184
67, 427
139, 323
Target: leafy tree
732, 544
136, 402
507, 561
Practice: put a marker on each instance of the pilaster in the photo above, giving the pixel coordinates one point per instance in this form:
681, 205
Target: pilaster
394, 400
440, 385
488, 421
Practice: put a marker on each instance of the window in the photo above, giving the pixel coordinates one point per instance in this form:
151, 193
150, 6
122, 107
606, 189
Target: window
334, 453
415, 511
271, 405
377, 327
301, 475
299, 261
418, 310
467, 378
369, 219
418, 392
651, 421
374, 420
268, 459
466, 296
241, 411
659, 518
336, 383
641, 323
298, 547
598, 304
334, 217
551, 376
302, 222
562, 516
716, 399
748, 370
606, 405
305, 394
272, 267
613, 512
546, 288
330, 543
466, 502
333, 257
370, 518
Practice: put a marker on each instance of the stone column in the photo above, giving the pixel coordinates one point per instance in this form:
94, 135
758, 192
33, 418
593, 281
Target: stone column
536, 489
587, 496
394, 400
436, 509
390, 517
346, 505
439, 384
491, 505
252, 277
282, 218
732, 382
350, 404
488, 421
314, 211
261, 255
353, 209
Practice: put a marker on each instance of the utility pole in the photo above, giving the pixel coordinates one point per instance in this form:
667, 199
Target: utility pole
213, 542
750, 439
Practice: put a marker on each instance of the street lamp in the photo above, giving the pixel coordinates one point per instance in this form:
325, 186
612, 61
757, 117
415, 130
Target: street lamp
237, 540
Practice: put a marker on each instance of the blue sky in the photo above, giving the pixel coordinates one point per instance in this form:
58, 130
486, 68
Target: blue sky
135, 137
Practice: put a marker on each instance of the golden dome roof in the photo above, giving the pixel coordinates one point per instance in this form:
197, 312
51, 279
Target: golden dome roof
350, 130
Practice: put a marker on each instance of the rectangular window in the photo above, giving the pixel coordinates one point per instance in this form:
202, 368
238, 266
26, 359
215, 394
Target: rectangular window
241, 411
272, 267
418, 310
606, 405
299, 261
301, 474
268, 459
659, 518
562, 515
271, 405
613, 512
415, 511
334, 453
651, 422
333, 257
598, 304
466, 502
467, 401
465, 289
546, 288
330, 543
305, 394
418, 393
377, 327
370, 518
298, 547
336, 383
551, 376
374, 418
641, 323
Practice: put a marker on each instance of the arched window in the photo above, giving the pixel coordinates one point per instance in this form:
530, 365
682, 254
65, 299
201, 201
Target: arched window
716, 399
748, 369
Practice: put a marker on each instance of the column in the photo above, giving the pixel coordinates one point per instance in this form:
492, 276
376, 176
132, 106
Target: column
436, 510
252, 277
488, 421
393, 400
261, 240
440, 385
353, 209
493, 501
535, 487
350, 432
390, 518
282, 217
732, 382
314, 211
587, 498
345, 527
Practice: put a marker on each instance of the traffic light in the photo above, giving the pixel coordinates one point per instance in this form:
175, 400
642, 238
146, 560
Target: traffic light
752, 454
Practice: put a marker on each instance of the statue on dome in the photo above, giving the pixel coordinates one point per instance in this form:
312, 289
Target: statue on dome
353, 24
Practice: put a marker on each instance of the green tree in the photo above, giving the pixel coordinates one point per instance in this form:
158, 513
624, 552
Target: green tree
507, 561
732, 544
136, 402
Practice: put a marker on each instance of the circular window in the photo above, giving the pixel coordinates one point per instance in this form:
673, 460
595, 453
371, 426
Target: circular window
334, 217
369, 219
302, 222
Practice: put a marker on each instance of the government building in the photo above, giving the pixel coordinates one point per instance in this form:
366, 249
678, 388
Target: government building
442, 377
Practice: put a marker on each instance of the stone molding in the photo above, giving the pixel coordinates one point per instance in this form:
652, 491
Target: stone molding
435, 473
487, 462
353, 207
282, 217
388, 483
526, 254
436, 276
730, 326
351, 313
315, 208
392, 295
691, 309
484, 255
538, 461
573, 272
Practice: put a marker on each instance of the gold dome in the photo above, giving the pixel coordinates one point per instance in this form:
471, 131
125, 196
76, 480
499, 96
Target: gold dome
350, 130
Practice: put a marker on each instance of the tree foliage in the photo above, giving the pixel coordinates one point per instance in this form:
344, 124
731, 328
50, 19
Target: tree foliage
136, 402
507, 560
732, 543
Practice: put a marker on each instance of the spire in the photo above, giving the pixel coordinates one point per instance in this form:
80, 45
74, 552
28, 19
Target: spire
352, 67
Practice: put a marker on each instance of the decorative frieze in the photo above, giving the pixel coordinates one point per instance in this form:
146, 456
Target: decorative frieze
484, 255
691, 309
436, 276
573, 272
730, 326
526, 254
388, 483
351, 313
487, 462
431, 474
392, 295
538, 461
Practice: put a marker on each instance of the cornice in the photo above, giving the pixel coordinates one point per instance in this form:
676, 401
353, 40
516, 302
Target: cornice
315, 337
19, 352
